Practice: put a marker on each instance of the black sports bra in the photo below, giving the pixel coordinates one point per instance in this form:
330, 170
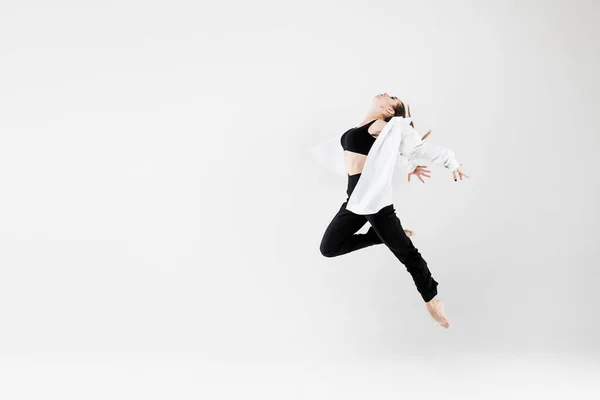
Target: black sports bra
358, 140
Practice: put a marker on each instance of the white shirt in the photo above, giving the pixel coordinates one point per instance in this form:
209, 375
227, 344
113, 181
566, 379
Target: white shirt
374, 188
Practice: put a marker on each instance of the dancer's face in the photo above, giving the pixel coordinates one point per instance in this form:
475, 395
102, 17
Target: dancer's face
386, 103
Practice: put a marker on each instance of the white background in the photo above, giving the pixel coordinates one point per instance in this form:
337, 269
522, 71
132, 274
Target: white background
161, 216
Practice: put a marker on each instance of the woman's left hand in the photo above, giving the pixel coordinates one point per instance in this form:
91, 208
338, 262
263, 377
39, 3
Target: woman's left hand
459, 173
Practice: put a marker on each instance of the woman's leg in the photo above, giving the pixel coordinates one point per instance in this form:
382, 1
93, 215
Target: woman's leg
340, 237
388, 227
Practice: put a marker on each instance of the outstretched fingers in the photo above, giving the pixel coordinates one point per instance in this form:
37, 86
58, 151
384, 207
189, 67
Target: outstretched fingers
458, 173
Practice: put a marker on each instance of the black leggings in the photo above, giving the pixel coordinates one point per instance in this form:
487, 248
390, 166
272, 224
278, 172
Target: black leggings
340, 238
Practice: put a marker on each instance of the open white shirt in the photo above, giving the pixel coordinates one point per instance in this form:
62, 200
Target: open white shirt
374, 188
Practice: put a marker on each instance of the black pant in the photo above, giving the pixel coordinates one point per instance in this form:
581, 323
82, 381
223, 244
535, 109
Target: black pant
340, 238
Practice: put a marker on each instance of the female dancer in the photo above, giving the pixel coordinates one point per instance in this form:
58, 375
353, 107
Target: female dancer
340, 237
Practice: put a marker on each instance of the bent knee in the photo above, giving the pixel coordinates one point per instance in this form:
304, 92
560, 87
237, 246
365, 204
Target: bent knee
327, 251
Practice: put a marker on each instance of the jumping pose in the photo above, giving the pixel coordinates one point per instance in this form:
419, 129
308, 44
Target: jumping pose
340, 237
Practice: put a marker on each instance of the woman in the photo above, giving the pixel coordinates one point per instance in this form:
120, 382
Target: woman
340, 237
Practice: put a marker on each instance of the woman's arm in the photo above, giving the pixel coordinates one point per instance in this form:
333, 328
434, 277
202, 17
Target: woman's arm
414, 147
411, 165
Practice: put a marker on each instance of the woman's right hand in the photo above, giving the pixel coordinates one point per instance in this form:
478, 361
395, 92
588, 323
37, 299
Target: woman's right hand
420, 172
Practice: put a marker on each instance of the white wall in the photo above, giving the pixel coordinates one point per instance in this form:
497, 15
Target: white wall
158, 201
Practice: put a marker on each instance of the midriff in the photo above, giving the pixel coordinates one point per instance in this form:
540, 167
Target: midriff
355, 162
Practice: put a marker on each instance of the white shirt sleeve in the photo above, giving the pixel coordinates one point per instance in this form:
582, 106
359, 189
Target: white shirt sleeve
408, 163
329, 154
412, 146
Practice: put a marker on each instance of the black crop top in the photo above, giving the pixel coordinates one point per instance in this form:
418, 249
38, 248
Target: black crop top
358, 140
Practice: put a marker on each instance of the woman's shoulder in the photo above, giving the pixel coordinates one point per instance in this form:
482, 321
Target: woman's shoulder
376, 127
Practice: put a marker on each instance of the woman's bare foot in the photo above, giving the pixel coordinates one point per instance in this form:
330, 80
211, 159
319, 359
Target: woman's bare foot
436, 310
408, 232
